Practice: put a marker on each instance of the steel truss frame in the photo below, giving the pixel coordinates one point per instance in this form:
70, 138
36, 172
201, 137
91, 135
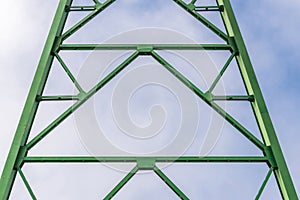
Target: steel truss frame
233, 42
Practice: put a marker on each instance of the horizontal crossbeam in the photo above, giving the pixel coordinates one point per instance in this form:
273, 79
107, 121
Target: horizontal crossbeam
116, 159
137, 46
58, 98
234, 98
82, 8
209, 8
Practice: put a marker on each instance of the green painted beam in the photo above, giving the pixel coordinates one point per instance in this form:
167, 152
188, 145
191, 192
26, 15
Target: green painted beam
170, 183
69, 73
233, 98
157, 159
263, 185
58, 98
222, 71
263, 119
91, 47
119, 186
31, 105
208, 8
82, 8
27, 185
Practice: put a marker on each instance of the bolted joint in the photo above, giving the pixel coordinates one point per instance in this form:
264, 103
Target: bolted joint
146, 163
67, 8
191, 6
209, 96
232, 43
271, 160
221, 8
20, 158
145, 49
81, 95
56, 45
98, 5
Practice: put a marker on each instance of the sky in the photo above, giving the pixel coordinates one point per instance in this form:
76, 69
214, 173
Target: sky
270, 30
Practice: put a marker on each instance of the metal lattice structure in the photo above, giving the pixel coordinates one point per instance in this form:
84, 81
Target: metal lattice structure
233, 42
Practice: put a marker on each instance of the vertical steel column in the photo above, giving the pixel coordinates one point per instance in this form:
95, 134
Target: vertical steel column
273, 152
17, 152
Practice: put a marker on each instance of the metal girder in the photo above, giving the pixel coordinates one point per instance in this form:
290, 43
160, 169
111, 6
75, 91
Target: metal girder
234, 44
31, 105
90, 47
119, 186
157, 159
280, 169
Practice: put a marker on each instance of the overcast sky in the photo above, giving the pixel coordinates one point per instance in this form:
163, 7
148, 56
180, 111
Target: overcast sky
271, 33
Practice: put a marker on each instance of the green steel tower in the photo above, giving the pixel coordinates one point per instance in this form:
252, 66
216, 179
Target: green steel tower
233, 43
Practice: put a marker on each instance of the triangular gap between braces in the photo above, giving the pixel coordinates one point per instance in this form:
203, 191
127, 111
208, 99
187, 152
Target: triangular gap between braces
218, 79
199, 177
76, 176
99, 64
19, 189
64, 140
47, 112
74, 61
271, 189
82, 63
243, 113
162, 190
58, 82
69, 73
193, 34
233, 143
